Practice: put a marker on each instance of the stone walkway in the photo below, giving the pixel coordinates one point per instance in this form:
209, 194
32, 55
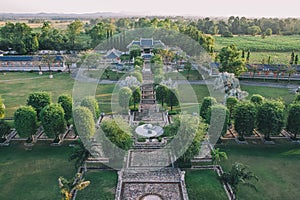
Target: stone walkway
148, 174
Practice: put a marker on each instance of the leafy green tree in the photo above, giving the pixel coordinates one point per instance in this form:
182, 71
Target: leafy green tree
239, 174
136, 96
244, 118
92, 104
217, 156
138, 61
217, 114
231, 102
68, 187
66, 103
172, 99
118, 132
270, 118
25, 120
231, 60
53, 121
38, 100
194, 148
135, 52
269, 32
293, 119
138, 75
257, 99
51, 38
73, 30
2, 109
254, 30
84, 122
18, 37
124, 97
205, 106
161, 92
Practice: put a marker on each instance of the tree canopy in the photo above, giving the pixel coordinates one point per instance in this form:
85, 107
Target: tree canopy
25, 120
244, 118
84, 122
206, 104
270, 118
38, 100
53, 121
92, 104
66, 103
231, 61
293, 119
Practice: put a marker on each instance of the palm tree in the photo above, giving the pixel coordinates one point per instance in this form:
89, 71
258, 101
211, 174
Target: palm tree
69, 60
68, 187
239, 174
48, 60
217, 156
80, 155
290, 70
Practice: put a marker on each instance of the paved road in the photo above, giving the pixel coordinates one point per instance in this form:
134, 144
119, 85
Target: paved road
200, 82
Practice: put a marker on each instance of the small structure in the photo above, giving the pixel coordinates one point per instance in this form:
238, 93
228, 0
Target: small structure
148, 130
29, 63
147, 45
113, 55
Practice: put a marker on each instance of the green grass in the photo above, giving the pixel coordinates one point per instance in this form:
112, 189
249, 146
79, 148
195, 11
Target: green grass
193, 75
277, 167
279, 48
256, 43
270, 93
204, 185
16, 86
33, 174
102, 187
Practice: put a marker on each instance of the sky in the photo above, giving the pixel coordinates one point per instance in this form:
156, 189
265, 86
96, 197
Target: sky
210, 8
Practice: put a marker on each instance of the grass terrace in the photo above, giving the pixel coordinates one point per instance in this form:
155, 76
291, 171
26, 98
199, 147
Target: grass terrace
33, 174
277, 167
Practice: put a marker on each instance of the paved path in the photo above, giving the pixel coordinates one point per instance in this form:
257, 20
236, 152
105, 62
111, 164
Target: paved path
200, 82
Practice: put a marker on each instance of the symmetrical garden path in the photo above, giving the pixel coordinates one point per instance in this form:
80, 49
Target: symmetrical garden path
148, 173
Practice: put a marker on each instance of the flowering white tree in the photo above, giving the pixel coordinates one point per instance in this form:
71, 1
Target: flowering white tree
129, 81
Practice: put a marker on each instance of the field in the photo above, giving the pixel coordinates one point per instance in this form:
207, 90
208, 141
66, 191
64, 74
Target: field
204, 184
15, 88
277, 167
102, 187
32, 174
278, 47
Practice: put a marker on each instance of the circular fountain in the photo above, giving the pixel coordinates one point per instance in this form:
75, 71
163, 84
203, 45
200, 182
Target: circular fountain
148, 130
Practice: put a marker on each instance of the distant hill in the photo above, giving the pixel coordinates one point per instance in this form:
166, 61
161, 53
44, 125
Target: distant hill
66, 16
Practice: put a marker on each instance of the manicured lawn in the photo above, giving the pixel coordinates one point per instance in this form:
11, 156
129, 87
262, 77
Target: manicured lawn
270, 92
277, 167
204, 184
276, 43
279, 48
193, 75
33, 174
16, 86
102, 187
